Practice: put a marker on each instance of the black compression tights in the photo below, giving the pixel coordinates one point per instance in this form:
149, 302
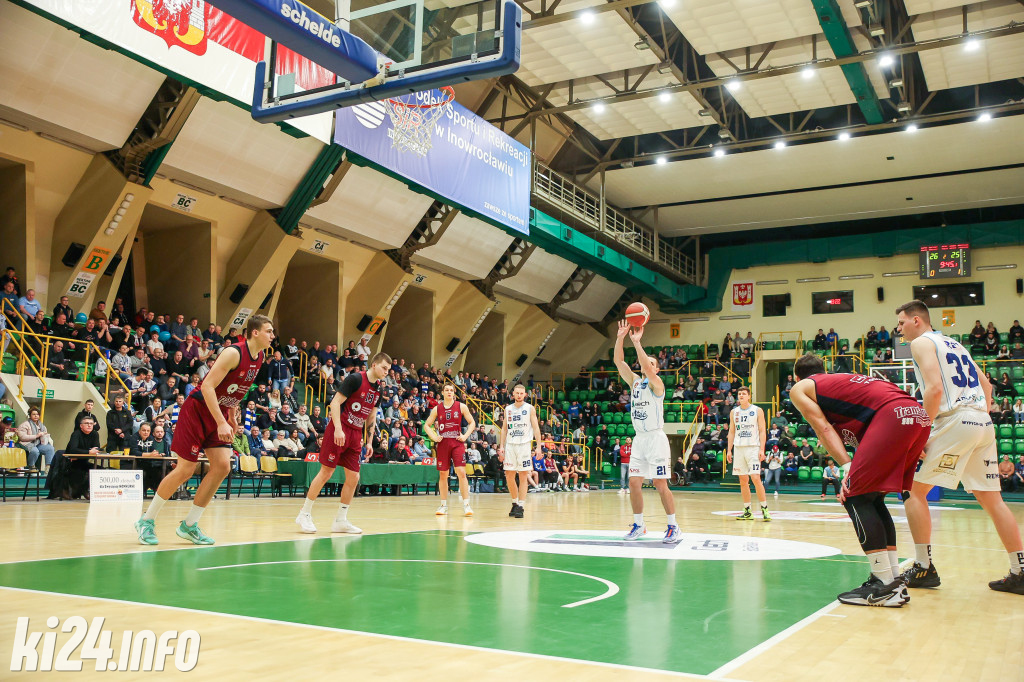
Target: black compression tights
872, 521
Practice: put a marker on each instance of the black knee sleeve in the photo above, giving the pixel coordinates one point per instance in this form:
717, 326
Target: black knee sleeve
887, 522
868, 522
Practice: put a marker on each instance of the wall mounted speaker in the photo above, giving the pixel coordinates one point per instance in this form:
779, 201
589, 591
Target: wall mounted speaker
238, 294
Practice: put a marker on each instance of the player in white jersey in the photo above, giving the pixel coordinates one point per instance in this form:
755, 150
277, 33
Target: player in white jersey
746, 450
518, 429
651, 452
961, 447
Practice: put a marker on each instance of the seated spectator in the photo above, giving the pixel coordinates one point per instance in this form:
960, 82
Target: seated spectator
268, 423
70, 480
303, 424
64, 309
288, 444
679, 471
87, 411
1005, 386
58, 365
270, 444
161, 439
790, 466
1004, 353
168, 391
696, 467
121, 363
286, 420
139, 361
142, 444
256, 447
1009, 479
820, 340
806, 457
977, 335
1016, 333
35, 439
204, 369
748, 343
991, 342
318, 421
883, 336
1018, 412
420, 451
399, 452
830, 477
143, 389
313, 446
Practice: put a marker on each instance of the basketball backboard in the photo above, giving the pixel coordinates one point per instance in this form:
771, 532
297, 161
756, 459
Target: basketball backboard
373, 49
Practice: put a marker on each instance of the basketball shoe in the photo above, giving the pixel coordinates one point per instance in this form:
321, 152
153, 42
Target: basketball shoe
1014, 582
345, 526
512, 511
919, 576
517, 513
876, 593
193, 533
146, 531
466, 509
765, 515
672, 536
305, 521
442, 510
636, 531
746, 515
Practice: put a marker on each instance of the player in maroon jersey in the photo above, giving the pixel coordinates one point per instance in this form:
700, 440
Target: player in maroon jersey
889, 430
206, 423
353, 419
451, 444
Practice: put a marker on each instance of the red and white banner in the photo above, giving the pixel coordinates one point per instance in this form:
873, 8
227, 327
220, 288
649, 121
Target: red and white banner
743, 296
195, 41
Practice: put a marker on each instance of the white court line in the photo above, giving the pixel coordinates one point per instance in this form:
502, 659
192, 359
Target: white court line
396, 638
612, 590
753, 653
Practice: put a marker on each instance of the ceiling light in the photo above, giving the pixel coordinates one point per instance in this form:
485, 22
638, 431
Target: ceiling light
807, 72
972, 45
724, 134
862, 4
665, 67
668, 4
661, 160
719, 152
598, 107
896, 83
642, 44
588, 18
885, 61
972, 295
705, 112
732, 85
781, 144
903, 107
844, 136
935, 295
985, 116
876, 30
912, 128
665, 96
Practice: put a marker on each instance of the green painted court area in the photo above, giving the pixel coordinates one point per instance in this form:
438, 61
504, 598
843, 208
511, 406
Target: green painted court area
686, 616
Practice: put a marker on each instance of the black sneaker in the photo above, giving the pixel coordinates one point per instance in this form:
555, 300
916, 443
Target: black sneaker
512, 512
919, 576
876, 593
1014, 583
518, 512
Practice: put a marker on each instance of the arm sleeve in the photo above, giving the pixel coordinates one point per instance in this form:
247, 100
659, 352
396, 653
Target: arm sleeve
350, 384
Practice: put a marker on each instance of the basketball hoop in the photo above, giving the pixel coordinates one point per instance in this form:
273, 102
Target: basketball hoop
412, 120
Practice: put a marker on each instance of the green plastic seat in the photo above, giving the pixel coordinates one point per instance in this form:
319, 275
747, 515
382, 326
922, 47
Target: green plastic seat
789, 345
1017, 373
1018, 447
803, 474
1018, 431
1005, 430
1006, 447
816, 473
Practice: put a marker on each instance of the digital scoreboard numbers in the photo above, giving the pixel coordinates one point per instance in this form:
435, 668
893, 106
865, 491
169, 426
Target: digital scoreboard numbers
950, 260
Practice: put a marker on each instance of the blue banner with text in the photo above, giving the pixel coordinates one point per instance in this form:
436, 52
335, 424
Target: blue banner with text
466, 160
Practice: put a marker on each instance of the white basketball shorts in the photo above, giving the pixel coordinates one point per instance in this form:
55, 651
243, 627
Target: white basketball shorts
961, 448
518, 456
746, 460
651, 456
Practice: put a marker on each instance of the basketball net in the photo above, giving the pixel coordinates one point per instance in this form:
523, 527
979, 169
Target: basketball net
412, 122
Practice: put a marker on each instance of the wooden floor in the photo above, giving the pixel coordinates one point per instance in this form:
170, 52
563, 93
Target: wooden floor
961, 631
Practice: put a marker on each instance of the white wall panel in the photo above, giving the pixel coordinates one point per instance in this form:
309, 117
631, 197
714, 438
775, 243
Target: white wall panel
541, 278
468, 249
595, 301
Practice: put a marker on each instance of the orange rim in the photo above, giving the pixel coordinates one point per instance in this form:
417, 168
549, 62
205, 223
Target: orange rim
447, 90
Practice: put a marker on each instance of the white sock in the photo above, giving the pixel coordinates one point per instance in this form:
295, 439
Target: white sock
307, 506
638, 519
342, 513
923, 555
522, 502
1016, 562
746, 505
154, 508
193, 515
894, 562
880, 566
671, 518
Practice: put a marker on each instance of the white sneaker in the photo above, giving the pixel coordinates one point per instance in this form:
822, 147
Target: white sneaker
345, 527
442, 510
622, 491
776, 494
467, 510
305, 521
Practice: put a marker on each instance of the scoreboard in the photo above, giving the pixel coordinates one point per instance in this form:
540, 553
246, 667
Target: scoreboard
948, 260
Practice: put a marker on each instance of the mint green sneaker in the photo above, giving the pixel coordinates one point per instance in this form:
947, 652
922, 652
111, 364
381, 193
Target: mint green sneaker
146, 531
193, 533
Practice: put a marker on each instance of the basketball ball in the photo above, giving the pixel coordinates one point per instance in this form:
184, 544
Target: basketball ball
637, 314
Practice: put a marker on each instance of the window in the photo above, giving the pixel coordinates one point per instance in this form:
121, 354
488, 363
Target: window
970, 293
823, 302
774, 305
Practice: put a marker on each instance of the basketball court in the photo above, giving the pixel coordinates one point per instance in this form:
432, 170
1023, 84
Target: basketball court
488, 596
